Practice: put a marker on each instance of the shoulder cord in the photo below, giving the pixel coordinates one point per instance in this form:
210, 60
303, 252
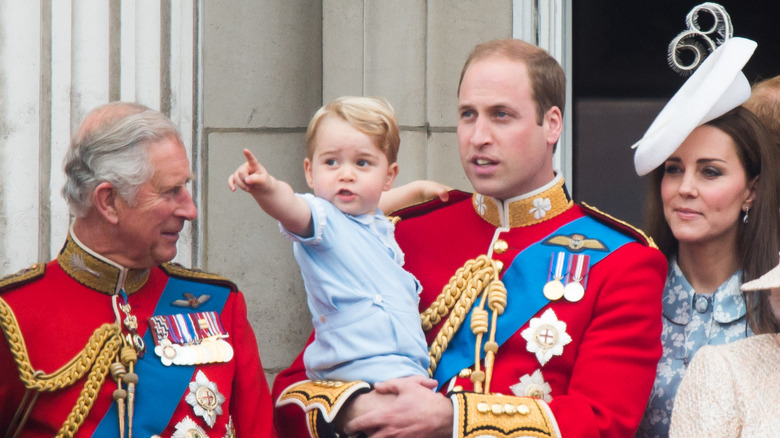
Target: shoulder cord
100, 351
478, 277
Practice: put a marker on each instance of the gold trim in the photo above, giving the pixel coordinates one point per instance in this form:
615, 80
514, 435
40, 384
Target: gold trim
522, 212
327, 396
27, 274
101, 350
177, 270
638, 231
503, 417
97, 274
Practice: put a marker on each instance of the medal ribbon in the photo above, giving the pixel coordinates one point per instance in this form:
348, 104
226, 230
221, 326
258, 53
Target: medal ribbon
578, 268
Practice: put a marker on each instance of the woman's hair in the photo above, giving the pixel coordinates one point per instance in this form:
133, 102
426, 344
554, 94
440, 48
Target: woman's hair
111, 146
373, 116
757, 241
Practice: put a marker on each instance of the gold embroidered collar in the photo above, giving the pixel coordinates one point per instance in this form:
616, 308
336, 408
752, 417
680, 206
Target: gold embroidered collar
524, 210
97, 272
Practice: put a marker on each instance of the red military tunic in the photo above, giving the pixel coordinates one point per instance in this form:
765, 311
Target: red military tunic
599, 383
58, 310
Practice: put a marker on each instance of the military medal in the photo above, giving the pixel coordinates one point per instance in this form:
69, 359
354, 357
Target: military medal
190, 339
187, 428
553, 289
205, 398
533, 385
546, 336
578, 270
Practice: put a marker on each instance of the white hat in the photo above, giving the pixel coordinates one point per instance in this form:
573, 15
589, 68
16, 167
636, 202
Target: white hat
769, 280
716, 87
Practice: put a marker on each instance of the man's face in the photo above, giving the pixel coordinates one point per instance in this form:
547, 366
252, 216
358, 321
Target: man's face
150, 229
503, 149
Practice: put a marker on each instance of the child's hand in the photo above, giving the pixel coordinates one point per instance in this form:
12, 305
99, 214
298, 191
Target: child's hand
250, 176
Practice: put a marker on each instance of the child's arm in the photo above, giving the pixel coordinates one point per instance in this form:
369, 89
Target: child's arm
274, 196
412, 193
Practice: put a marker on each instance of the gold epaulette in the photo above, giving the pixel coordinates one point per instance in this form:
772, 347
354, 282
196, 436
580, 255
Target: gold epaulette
177, 270
22, 277
326, 395
502, 416
624, 226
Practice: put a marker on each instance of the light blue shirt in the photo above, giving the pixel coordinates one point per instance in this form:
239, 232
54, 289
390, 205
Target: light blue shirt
364, 305
690, 321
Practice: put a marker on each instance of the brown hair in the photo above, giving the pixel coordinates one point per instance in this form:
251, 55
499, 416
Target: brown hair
756, 251
373, 116
548, 82
764, 102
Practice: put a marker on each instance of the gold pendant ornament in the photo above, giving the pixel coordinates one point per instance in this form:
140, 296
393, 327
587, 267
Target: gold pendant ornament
205, 398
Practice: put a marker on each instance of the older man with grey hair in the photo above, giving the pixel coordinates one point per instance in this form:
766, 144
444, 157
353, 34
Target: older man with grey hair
110, 339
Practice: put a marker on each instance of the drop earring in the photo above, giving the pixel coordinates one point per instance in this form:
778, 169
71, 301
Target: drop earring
746, 219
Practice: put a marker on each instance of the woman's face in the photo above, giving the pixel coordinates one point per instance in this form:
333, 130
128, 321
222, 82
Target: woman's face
704, 188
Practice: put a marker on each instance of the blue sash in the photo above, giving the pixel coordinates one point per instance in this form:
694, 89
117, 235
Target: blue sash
524, 280
160, 387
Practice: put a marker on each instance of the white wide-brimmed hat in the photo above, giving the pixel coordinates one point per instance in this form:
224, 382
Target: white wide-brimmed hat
715, 88
769, 280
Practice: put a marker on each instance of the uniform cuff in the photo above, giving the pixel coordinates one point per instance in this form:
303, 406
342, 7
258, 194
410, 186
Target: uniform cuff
500, 416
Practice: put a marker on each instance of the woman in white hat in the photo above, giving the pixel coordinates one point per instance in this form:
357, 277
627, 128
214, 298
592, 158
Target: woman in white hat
733, 390
713, 212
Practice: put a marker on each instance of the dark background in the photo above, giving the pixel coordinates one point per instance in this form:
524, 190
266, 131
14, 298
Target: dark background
621, 80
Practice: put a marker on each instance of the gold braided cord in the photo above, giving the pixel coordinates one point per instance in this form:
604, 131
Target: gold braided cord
69, 373
89, 392
457, 298
451, 292
101, 350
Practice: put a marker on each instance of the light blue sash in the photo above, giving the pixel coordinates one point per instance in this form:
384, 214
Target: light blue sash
160, 388
524, 280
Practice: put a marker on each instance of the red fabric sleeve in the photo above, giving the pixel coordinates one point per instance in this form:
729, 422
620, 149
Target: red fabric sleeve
251, 404
290, 420
606, 397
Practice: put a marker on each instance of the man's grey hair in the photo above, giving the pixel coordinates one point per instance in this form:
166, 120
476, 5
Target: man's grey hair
111, 145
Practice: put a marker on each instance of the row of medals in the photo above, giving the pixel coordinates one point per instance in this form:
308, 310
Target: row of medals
209, 350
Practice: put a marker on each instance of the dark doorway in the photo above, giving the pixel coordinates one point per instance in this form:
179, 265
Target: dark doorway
621, 80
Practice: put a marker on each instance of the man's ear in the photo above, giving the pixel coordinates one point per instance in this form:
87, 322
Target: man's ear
553, 124
105, 199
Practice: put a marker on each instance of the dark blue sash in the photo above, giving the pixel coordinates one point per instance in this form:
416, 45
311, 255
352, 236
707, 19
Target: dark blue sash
161, 388
524, 280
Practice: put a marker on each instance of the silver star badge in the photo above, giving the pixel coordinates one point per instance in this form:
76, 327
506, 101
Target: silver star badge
187, 428
546, 336
205, 399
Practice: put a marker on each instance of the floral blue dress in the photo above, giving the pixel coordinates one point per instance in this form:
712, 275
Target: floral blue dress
690, 320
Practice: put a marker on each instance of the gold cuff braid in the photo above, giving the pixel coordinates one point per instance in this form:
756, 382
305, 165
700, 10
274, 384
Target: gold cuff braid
502, 416
326, 395
100, 351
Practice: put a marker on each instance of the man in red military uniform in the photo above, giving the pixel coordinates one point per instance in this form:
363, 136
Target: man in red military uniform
543, 316
109, 339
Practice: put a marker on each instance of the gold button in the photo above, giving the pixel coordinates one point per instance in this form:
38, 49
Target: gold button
464, 373
457, 388
500, 246
523, 409
483, 407
499, 265
510, 409
497, 409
